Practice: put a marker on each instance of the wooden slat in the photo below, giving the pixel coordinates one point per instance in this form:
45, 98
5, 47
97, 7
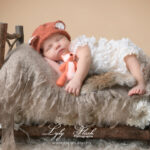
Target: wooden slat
19, 30
13, 36
119, 132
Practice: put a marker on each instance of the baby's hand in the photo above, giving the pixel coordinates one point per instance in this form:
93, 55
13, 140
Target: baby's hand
73, 87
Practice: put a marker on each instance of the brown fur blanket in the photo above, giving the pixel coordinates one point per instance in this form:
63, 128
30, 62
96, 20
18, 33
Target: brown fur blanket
28, 89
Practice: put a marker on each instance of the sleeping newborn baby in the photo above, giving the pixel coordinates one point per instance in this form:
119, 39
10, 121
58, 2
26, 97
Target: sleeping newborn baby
51, 40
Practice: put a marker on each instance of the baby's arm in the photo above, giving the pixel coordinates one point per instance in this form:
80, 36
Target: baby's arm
83, 65
54, 65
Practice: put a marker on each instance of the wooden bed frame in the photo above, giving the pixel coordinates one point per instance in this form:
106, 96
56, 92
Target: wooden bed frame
51, 130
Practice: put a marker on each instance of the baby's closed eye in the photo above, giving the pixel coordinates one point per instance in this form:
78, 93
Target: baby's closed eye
49, 47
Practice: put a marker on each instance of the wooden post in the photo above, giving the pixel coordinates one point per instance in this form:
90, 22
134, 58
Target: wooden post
3, 36
19, 30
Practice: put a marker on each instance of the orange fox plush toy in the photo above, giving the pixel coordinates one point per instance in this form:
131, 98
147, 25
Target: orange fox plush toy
68, 69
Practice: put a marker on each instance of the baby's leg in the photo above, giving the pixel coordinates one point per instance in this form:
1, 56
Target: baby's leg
133, 66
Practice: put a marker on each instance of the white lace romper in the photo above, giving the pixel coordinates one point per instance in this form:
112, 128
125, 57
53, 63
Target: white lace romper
107, 55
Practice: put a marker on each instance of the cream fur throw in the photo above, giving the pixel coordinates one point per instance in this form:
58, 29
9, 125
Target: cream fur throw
27, 87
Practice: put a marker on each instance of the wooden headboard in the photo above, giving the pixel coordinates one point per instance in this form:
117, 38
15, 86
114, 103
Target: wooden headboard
5, 37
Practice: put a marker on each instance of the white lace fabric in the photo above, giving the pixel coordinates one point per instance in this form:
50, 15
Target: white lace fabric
107, 55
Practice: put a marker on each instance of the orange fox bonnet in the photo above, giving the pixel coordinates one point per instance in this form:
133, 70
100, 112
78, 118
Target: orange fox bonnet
44, 31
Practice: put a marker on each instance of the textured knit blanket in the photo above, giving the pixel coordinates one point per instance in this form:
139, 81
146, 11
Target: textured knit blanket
27, 87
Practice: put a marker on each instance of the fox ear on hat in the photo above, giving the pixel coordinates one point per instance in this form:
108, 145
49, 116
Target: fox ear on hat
33, 41
60, 25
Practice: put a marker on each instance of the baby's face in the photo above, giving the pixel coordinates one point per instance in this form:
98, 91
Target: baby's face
55, 46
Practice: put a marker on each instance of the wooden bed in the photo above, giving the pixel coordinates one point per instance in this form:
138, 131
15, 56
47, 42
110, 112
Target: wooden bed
118, 132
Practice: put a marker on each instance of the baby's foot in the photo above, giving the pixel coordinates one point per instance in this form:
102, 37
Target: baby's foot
138, 89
